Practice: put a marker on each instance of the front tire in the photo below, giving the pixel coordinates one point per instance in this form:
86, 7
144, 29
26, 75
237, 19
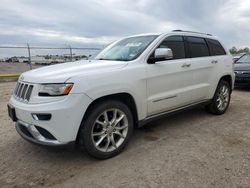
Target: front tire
106, 130
221, 99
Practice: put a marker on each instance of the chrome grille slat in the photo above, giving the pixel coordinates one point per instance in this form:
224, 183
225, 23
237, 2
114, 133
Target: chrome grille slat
23, 91
26, 92
17, 86
20, 91
29, 91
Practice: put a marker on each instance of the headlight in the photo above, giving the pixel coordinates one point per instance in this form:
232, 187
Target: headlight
55, 89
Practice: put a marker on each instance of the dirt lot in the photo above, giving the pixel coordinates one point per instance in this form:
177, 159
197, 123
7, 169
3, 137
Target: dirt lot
190, 149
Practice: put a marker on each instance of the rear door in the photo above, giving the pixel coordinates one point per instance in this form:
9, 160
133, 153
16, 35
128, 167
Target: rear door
203, 66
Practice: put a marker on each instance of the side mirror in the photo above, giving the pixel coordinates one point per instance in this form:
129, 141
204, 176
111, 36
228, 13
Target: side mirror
163, 53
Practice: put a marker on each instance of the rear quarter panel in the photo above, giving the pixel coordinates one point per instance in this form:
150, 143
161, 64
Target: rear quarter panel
225, 67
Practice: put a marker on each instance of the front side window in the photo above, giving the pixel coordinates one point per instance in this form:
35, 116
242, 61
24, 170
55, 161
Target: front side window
176, 44
215, 47
244, 59
197, 47
127, 49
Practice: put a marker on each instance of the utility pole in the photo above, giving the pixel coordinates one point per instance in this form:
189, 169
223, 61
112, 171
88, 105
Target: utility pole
29, 56
71, 55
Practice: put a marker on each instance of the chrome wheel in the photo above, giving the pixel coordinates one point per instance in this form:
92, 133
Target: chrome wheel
223, 98
109, 130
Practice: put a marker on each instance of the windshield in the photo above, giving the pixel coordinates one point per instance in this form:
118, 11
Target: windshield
127, 49
244, 59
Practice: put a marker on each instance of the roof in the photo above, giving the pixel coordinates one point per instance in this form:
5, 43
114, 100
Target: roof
194, 32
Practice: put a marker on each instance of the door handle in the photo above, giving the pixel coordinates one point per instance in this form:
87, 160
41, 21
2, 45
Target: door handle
214, 61
186, 65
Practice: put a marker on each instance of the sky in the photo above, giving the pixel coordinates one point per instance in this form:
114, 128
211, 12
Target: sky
88, 23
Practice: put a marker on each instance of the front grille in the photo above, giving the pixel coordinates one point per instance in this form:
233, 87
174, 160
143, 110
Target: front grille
246, 72
23, 91
242, 72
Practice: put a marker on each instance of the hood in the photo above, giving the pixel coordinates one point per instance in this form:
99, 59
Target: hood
62, 72
242, 66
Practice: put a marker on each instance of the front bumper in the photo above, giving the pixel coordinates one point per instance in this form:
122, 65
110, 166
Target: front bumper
32, 134
61, 129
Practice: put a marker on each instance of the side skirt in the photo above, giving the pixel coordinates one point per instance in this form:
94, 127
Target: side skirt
170, 112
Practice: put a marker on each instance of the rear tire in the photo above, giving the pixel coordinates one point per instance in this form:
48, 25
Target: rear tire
106, 130
221, 99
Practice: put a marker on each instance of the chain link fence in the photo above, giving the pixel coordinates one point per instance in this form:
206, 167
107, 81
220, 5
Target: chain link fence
15, 59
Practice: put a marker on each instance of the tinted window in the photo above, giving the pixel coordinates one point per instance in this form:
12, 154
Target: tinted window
197, 47
215, 47
176, 44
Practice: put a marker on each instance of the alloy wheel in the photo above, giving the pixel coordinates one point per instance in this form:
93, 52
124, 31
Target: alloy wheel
223, 98
109, 130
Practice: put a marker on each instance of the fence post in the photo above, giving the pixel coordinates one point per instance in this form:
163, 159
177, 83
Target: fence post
71, 55
29, 56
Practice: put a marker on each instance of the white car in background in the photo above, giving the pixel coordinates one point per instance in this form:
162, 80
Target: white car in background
98, 103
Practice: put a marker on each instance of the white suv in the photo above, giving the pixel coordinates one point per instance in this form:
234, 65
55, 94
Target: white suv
97, 103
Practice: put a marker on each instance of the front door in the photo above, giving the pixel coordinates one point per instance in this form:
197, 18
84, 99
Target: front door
169, 82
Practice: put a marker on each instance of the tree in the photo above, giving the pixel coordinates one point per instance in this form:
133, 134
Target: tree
240, 51
233, 50
246, 50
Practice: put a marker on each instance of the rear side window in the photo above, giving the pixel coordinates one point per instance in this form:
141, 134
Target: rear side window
215, 47
176, 44
197, 47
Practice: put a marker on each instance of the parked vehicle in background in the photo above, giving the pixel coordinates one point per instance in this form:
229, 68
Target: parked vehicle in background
242, 71
12, 60
237, 57
98, 103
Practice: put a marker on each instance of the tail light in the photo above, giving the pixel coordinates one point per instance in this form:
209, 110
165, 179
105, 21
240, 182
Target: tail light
233, 61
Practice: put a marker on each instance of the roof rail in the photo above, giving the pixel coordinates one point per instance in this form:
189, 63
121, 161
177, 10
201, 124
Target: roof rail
178, 30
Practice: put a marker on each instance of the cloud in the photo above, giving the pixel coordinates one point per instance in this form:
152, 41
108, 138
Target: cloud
97, 22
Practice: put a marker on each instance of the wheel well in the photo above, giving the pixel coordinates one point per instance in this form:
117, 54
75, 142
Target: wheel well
228, 79
122, 97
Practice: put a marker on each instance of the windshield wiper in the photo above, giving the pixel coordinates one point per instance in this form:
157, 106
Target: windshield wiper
102, 59
118, 59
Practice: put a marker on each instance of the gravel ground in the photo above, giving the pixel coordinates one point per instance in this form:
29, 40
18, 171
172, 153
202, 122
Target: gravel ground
190, 149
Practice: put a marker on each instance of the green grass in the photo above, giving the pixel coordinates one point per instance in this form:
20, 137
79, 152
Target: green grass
9, 75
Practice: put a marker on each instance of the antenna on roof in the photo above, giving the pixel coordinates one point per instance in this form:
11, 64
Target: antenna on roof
179, 30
